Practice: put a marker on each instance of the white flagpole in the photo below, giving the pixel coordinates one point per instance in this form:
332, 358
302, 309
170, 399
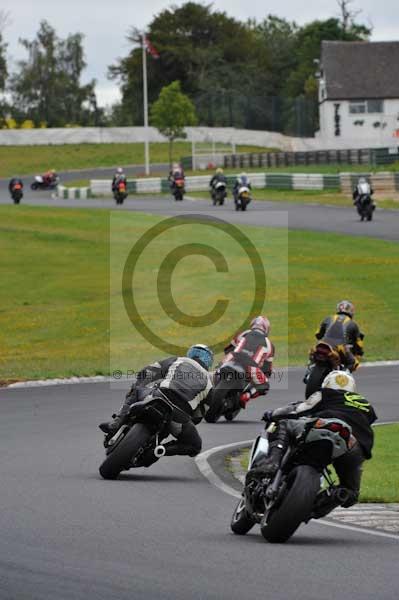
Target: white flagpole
145, 106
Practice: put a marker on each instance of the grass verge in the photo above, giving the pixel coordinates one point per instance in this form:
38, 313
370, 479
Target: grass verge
55, 297
26, 160
380, 481
309, 197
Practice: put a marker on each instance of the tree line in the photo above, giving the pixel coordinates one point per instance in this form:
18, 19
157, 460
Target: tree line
255, 75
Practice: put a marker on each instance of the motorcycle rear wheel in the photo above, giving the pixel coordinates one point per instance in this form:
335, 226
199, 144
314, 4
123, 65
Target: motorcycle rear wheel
315, 379
241, 522
280, 524
120, 458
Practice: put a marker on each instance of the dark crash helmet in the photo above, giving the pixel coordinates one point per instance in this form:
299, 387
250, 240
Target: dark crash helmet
202, 354
346, 308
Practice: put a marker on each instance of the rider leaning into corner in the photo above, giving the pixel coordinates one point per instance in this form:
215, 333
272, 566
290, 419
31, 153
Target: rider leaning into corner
253, 350
242, 180
187, 384
342, 331
337, 399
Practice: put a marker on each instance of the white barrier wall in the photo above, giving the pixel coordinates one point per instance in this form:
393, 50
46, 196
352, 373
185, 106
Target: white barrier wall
226, 135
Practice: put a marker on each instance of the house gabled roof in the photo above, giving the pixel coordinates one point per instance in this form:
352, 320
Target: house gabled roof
360, 70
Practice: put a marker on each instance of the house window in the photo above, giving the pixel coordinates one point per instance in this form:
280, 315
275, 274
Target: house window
366, 106
357, 107
375, 106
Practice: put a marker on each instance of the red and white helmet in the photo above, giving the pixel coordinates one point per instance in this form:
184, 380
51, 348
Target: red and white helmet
261, 324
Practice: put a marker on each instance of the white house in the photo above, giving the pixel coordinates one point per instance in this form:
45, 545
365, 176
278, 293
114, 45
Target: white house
359, 94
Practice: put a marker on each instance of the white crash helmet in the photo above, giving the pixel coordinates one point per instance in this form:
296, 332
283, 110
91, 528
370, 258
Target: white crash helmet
339, 380
119, 170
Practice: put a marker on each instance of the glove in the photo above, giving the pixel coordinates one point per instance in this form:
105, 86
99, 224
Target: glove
267, 416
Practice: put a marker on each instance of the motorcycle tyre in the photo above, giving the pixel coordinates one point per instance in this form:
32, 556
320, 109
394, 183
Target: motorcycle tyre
120, 458
280, 524
315, 379
241, 522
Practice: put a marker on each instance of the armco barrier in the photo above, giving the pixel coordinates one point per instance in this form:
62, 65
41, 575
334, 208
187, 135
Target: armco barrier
381, 182
73, 192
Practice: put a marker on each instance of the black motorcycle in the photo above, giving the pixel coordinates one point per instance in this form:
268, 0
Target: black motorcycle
219, 193
293, 495
178, 189
120, 191
140, 434
230, 383
16, 193
365, 207
324, 358
242, 198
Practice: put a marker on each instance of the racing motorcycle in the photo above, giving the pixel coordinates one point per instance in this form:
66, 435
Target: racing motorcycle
326, 356
40, 183
17, 193
243, 198
140, 434
178, 190
219, 193
120, 191
230, 383
365, 207
292, 496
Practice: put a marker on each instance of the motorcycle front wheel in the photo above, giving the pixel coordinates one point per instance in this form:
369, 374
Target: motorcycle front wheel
241, 522
121, 457
280, 524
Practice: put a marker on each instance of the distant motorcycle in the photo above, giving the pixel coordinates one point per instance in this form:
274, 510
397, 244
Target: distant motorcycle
178, 189
243, 198
16, 192
292, 495
120, 191
40, 183
219, 193
365, 207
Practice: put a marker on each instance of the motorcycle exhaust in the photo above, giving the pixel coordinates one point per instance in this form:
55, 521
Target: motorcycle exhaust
159, 451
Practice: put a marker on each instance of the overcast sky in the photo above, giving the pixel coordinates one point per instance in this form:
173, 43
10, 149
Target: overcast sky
105, 23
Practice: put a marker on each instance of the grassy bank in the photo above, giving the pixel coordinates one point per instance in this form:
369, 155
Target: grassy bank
54, 306
380, 481
25, 160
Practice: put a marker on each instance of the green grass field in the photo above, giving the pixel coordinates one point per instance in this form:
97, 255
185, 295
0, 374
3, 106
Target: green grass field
22, 160
55, 298
380, 481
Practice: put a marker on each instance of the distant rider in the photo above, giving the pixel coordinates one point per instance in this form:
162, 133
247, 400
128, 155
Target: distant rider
176, 172
337, 399
49, 177
118, 178
13, 182
187, 384
218, 177
362, 190
344, 330
253, 350
241, 181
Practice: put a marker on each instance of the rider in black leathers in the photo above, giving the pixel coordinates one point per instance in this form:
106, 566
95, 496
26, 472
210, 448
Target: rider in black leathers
218, 177
187, 384
337, 399
343, 329
118, 177
12, 183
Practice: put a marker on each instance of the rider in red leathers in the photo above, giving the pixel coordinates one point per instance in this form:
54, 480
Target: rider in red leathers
253, 350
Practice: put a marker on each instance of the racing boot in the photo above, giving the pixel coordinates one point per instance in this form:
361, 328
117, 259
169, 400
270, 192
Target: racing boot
112, 427
278, 445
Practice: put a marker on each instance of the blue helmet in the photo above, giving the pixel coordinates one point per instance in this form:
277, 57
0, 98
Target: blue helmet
202, 354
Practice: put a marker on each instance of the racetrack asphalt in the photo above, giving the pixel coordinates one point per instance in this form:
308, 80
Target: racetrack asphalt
164, 532
161, 532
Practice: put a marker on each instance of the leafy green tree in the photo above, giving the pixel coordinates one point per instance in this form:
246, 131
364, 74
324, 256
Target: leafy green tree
172, 112
47, 85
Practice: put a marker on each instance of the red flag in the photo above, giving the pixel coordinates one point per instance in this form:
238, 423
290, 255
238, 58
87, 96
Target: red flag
150, 48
